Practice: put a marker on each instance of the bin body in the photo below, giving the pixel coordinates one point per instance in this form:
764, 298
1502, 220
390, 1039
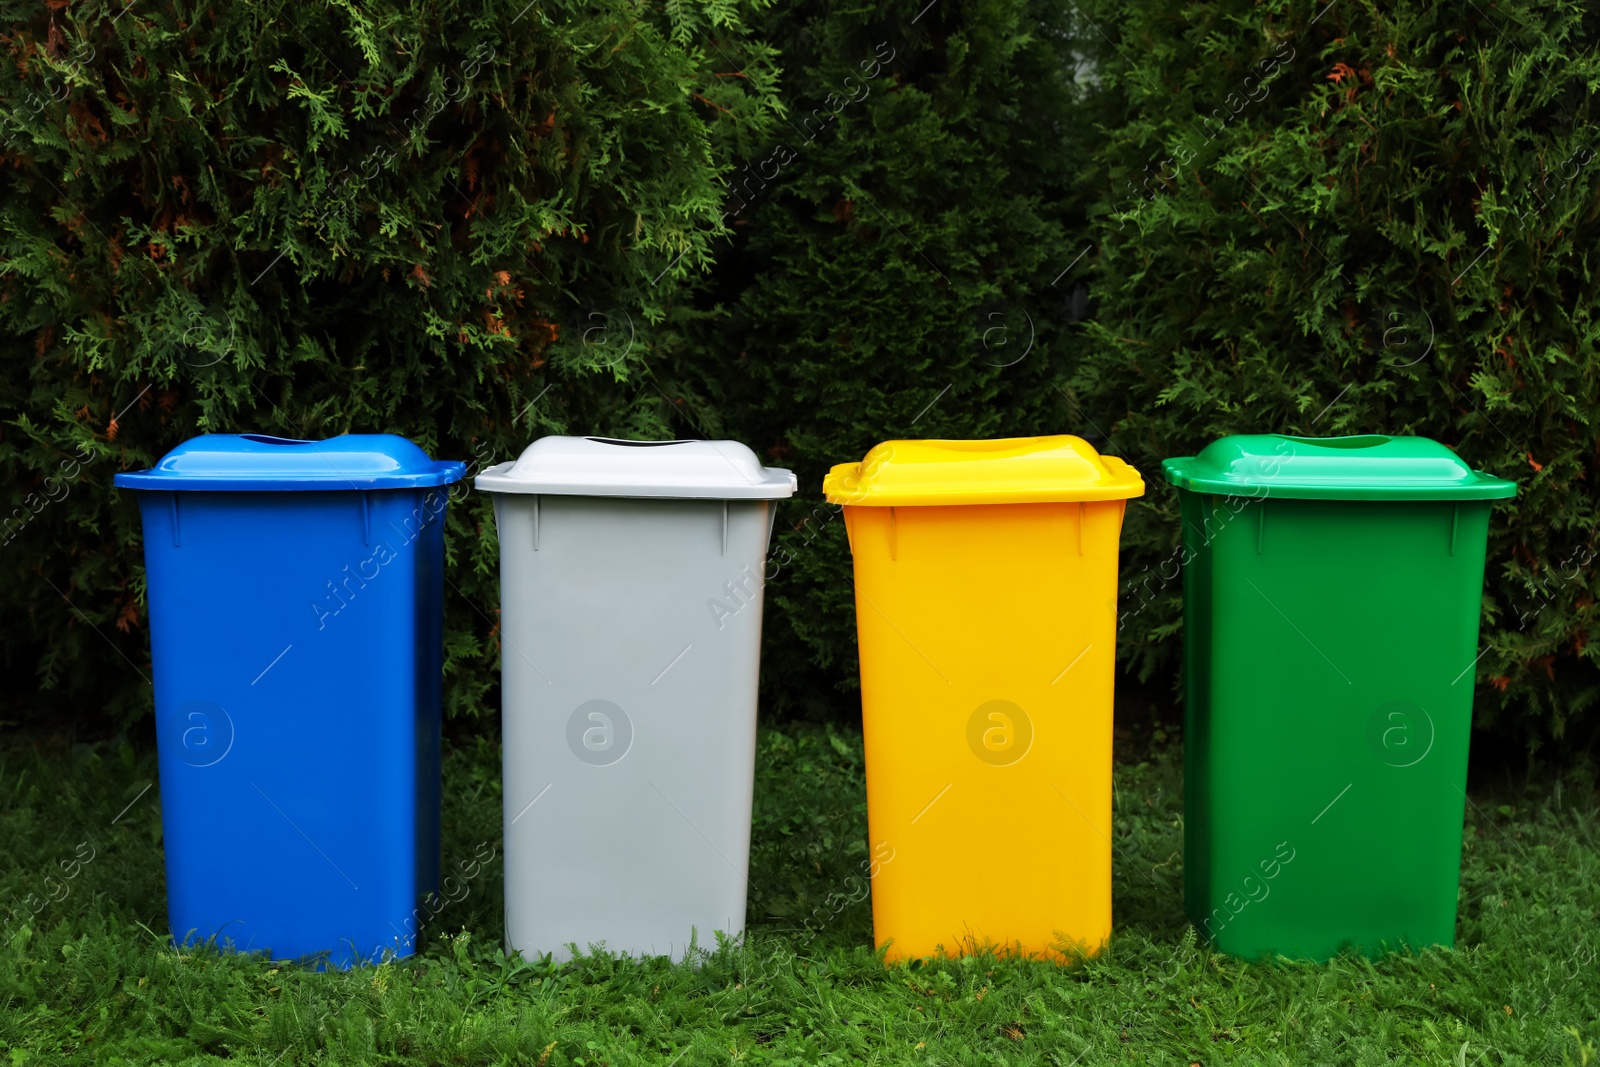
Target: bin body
296, 649
1331, 624
987, 637
631, 647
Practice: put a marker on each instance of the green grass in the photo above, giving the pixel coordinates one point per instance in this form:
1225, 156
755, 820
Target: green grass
91, 979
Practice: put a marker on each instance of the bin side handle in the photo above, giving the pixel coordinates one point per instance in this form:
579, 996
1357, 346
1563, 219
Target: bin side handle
536, 522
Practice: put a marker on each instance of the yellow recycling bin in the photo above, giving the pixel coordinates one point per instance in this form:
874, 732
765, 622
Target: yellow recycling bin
985, 575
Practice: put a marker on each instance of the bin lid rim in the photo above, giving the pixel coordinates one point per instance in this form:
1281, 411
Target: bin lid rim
1351, 467
558, 465
227, 462
1055, 468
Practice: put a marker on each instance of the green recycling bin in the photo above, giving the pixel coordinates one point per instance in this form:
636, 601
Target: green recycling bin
1332, 588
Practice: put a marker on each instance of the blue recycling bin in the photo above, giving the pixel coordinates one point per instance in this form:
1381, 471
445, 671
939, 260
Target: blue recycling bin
295, 593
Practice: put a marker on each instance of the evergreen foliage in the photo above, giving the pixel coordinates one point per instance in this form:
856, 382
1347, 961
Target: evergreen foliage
1360, 218
897, 271
473, 224
454, 221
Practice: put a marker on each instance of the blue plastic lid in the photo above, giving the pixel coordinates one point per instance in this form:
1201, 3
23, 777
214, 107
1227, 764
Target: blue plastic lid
257, 463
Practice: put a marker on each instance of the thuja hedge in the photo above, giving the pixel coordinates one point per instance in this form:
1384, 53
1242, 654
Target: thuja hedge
893, 274
1312, 220
464, 222
1354, 218
476, 223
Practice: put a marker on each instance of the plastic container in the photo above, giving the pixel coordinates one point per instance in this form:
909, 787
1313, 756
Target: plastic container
986, 575
631, 577
294, 591
1332, 589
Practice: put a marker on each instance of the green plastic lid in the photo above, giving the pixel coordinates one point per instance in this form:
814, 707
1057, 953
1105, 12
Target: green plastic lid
1363, 467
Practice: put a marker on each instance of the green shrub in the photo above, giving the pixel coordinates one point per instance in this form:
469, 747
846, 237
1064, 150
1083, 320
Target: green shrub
461, 222
1360, 218
474, 224
898, 241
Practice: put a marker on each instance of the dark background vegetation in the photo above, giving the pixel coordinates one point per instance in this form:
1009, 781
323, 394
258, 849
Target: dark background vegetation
811, 228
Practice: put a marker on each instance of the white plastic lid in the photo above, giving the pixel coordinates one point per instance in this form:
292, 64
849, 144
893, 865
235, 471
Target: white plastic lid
602, 466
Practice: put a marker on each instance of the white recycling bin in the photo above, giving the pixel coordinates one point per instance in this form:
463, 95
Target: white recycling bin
631, 577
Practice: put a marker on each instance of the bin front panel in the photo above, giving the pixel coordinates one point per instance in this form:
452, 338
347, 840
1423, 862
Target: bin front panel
629, 662
1330, 709
292, 640
987, 636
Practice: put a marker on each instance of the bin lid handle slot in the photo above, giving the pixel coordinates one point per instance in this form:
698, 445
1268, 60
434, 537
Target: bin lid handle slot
1359, 440
263, 439
632, 444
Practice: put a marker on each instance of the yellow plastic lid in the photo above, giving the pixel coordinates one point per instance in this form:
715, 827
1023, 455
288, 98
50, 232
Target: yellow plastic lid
1012, 470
